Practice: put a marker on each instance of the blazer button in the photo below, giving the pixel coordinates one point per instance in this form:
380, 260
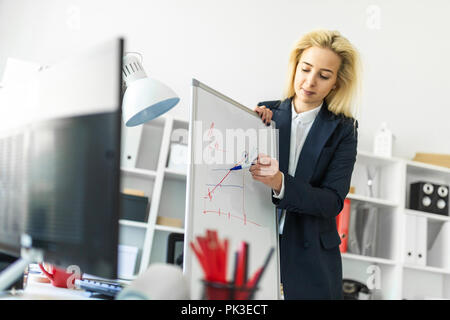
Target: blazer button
306, 244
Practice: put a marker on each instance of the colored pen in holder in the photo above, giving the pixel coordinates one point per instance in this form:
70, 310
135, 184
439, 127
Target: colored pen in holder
212, 257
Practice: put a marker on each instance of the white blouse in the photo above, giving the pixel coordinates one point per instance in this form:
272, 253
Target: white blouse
300, 126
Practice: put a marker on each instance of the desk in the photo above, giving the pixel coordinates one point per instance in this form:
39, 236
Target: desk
46, 291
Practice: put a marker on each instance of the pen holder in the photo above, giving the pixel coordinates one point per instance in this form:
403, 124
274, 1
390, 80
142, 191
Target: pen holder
243, 293
226, 291
217, 290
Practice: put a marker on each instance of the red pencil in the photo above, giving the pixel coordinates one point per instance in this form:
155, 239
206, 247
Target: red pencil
225, 261
201, 260
212, 256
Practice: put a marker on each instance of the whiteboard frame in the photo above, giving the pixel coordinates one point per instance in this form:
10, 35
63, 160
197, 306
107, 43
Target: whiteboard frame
187, 257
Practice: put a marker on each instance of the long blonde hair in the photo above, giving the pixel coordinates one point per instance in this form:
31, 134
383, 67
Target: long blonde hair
342, 99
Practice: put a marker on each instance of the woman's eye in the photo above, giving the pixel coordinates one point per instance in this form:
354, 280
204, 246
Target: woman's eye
323, 77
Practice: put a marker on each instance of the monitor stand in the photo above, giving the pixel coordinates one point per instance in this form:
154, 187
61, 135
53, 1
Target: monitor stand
15, 270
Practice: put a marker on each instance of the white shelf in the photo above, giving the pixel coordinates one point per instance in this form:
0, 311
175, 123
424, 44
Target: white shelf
427, 269
367, 258
431, 216
375, 201
375, 159
168, 229
170, 173
131, 223
143, 173
423, 168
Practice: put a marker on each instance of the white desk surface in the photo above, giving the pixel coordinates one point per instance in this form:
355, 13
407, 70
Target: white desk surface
46, 291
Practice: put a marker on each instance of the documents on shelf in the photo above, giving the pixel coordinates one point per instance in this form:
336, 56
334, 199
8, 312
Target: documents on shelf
436, 159
171, 222
134, 192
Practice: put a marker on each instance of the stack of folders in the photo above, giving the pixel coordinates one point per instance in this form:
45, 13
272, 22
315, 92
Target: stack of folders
427, 242
362, 233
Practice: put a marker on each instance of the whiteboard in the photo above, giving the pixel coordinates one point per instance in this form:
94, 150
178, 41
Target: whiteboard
223, 133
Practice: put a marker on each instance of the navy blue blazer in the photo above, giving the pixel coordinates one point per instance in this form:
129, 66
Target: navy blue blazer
310, 260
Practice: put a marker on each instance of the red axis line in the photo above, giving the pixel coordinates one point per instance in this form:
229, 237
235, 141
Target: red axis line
210, 128
229, 171
231, 215
209, 192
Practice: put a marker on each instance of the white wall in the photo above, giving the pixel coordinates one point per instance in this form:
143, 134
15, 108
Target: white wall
241, 47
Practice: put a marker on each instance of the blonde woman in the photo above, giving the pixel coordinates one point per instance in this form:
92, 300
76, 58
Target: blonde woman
317, 152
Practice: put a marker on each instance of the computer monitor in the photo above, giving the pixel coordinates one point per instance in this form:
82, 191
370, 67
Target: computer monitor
60, 162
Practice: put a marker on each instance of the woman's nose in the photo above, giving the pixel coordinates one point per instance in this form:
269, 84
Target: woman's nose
310, 80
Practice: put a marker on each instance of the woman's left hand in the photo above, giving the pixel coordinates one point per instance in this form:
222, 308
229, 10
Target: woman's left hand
267, 171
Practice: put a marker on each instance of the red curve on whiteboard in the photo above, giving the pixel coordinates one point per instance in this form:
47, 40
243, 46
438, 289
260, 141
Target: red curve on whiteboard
231, 216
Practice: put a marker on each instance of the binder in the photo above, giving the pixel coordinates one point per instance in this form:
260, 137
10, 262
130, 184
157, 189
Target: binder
352, 241
438, 254
342, 223
369, 215
410, 241
421, 241
362, 231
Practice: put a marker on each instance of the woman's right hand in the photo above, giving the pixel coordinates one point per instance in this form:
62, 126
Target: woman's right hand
265, 114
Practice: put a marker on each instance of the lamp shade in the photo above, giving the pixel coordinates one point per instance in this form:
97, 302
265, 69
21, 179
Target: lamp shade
146, 99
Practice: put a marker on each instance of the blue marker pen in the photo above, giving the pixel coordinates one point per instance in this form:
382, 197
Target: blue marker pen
244, 166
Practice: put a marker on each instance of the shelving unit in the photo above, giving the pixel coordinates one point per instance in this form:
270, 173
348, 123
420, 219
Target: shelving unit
400, 279
394, 278
434, 273
164, 187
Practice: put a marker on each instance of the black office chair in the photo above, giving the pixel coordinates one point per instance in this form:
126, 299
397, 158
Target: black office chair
355, 290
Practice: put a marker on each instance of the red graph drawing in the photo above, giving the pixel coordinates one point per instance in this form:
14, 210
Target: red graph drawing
224, 213
211, 139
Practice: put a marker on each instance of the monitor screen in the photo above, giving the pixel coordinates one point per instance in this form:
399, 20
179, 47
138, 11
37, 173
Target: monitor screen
60, 162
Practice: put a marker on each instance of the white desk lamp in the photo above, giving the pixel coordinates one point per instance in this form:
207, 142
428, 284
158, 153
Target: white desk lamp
145, 98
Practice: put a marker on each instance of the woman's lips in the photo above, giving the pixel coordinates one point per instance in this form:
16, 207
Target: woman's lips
308, 93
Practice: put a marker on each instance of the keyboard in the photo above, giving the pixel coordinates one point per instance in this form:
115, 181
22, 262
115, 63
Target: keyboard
101, 287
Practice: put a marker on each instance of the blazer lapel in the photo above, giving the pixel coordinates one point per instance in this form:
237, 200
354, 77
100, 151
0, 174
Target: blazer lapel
283, 124
322, 128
